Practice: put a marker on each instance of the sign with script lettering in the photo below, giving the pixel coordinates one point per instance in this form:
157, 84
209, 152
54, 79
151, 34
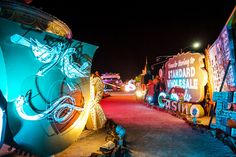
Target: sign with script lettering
187, 71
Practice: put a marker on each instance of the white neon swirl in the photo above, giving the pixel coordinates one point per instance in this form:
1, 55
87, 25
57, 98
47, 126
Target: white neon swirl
42, 52
56, 109
72, 69
53, 56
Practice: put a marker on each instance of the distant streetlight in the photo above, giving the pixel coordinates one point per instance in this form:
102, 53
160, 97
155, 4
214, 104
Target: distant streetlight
159, 60
196, 45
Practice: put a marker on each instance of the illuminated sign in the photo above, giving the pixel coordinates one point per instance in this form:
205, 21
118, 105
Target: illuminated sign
56, 72
57, 109
187, 72
166, 102
218, 57
55, 55
178, 106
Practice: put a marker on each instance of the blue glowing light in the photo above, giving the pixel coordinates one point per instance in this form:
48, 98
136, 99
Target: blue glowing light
56, 55
194, 112
120, 131
149, 98
56, 109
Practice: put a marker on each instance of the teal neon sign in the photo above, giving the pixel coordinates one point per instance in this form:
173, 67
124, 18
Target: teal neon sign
56, 71
56, 55
56, 109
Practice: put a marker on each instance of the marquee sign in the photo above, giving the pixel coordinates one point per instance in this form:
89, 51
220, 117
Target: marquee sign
187, 71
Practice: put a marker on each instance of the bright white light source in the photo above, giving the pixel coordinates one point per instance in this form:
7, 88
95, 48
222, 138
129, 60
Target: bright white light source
196, 45
139, 93
149, 99
130, 87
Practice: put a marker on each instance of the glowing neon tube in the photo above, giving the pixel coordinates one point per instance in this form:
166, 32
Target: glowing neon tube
53, 56
56, 109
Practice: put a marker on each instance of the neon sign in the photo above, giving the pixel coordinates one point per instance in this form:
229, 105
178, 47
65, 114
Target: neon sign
56, 109
187, 71
50, 66
165, 101
55, 55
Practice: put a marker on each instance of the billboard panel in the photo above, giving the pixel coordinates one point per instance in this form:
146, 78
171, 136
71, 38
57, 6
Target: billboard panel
218, 56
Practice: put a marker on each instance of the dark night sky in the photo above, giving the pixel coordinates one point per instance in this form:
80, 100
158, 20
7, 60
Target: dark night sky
128, 31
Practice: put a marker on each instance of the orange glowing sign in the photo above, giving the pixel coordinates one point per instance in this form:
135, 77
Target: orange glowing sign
187, 71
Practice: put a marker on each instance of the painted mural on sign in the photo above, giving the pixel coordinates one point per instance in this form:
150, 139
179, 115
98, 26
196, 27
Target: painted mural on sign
219, 55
